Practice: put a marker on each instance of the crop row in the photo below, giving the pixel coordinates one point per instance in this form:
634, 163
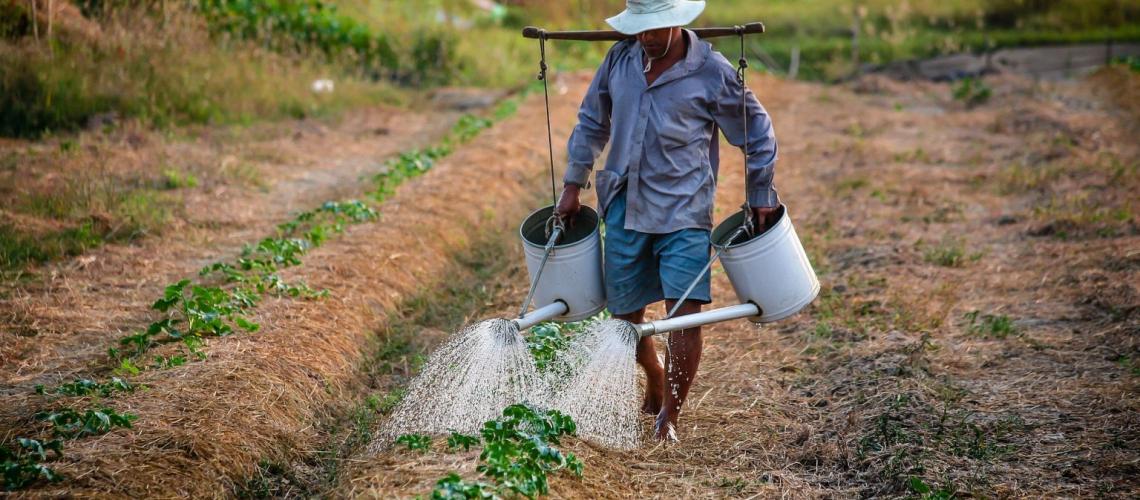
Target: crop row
218, 304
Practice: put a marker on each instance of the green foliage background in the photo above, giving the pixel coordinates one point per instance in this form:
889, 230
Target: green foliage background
236, 61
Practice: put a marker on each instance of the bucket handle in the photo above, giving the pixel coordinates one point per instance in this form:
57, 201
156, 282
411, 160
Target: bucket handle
554, 230
745, 228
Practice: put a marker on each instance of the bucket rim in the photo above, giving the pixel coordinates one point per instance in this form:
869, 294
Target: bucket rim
590, 211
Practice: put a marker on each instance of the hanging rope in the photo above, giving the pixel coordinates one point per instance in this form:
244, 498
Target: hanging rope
546, 94
741, 66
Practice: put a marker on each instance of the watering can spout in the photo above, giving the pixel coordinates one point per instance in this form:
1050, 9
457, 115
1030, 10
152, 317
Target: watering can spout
745, 310
545, 313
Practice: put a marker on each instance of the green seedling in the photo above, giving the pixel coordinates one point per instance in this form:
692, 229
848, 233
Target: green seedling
69, 424
87, 387
518, 455
454, 487
23, 465
972, 91
990, 325
415, 441
457, 440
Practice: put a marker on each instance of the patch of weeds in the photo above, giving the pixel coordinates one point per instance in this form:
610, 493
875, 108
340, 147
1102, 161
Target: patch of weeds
925, 492
1021, 177
956, 433
388, 403
950, 253
972, 91
1129, 363
177, 179
990, 325
942, 215
70, 424
917, 155
415, 441
518, 454
22, 465
87, 387
823, 331
888, 427
850, 185
18, 248
272, 480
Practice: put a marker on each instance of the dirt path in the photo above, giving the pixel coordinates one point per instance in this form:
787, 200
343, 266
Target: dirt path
977, 329
61, 321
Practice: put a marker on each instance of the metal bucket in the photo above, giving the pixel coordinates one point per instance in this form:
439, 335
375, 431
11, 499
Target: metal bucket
573, 273
770, 270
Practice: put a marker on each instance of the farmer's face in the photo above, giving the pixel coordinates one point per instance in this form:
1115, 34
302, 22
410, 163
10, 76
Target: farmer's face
655, 41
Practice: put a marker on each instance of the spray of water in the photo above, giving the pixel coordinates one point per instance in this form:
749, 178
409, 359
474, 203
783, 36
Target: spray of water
595, 383
466, 382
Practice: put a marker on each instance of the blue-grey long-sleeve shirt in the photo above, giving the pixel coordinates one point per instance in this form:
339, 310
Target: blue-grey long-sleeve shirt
664, 148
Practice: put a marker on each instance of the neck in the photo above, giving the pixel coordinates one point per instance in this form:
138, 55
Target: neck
673, 53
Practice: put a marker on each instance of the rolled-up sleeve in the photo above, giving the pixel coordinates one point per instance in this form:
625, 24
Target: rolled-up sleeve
726, 110
593, 130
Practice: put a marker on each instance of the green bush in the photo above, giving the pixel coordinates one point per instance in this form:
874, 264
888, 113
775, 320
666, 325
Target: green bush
299, 25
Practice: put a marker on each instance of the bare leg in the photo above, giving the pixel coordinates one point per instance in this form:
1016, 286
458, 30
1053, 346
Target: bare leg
681, 365
647, 358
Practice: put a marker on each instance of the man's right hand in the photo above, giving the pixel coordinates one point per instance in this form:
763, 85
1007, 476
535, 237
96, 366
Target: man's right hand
568, 204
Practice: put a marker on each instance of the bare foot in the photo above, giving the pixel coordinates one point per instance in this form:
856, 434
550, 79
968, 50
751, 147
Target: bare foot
665, 429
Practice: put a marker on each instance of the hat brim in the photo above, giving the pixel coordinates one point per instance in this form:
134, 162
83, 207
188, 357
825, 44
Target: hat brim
631, 24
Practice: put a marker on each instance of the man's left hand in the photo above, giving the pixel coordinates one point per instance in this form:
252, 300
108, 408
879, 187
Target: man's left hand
764, 218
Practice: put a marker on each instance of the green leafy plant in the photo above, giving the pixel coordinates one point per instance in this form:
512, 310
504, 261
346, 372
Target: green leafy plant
454, 487
297, 24
415, 441
70, 424
545, 342
23, 465
972, 91
457, 440
87, 387
918, 486
518, 454
990, 325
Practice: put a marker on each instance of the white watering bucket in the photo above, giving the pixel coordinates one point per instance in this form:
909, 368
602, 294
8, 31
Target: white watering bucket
770, 270
573, 272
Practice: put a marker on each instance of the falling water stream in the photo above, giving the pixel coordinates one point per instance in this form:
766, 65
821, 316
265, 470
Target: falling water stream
467, 381
487, 367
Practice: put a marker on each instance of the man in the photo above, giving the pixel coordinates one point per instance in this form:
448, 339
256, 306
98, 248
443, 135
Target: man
659, 99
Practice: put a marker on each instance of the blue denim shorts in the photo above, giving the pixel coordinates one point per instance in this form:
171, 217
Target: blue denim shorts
643, 268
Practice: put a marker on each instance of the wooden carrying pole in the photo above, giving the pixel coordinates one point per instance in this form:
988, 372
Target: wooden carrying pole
613, 36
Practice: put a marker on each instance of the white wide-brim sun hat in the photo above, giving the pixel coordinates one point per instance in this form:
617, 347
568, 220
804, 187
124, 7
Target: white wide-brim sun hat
645, 15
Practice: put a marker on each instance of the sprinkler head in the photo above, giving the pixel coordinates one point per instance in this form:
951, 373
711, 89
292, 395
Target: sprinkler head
628, 331
504, 331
